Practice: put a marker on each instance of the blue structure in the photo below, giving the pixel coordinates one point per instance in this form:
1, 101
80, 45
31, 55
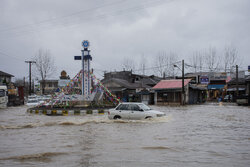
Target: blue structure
86, 79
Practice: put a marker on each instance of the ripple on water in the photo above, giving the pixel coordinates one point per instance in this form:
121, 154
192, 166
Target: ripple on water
82, 121
35, 157
160, 148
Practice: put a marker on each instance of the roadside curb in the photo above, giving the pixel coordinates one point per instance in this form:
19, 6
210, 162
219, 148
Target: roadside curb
65, 112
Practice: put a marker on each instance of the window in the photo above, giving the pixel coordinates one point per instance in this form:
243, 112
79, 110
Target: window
123, 107
134, 107
2, 93
144, 107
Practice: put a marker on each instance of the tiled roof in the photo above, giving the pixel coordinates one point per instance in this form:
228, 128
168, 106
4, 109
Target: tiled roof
228, 79
171, 84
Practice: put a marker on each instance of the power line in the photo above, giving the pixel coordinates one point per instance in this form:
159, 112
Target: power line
58, 18
102, 16
155, 67
7, 55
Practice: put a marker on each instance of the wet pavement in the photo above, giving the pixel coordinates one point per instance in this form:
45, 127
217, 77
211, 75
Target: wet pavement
198, 135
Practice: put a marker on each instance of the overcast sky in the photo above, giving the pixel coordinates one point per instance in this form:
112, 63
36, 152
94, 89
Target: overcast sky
118, 29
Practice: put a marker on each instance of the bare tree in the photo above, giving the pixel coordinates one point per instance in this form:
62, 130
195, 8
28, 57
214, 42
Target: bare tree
230, 58
164, 63
194, 61
211, 59
44, 66
160, 62
197, 61
201, 60
128, 64
172, 58
143, 64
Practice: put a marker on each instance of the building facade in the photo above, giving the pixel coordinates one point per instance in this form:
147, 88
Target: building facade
131, 87
5, 78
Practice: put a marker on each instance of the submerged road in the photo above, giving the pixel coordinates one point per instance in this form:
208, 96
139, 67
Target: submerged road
198, 135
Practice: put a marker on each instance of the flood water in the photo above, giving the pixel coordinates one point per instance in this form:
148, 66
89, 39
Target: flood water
199, 135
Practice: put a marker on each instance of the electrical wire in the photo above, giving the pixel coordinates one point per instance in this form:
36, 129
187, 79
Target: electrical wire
98, 17
61, 17
7, 55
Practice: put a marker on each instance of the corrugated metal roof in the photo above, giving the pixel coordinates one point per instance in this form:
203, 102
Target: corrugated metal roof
171, 84
126, 84
5, 74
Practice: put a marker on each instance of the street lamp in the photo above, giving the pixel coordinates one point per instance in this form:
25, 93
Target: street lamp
183, 91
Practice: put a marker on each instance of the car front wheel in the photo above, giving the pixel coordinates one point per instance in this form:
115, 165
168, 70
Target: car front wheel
117, 117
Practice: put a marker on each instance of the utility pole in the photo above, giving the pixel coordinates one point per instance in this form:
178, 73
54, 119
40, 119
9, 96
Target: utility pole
30, 62
183, 91
24, 89
237, 82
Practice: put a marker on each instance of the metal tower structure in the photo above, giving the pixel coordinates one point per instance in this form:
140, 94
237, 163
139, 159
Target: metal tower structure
86, 78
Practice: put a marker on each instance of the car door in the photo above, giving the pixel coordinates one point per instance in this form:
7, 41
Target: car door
136, 112
123, 111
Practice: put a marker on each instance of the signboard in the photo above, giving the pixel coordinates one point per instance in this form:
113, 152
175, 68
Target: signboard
78, 57
85, 44
248, 68
218, 76
204, 80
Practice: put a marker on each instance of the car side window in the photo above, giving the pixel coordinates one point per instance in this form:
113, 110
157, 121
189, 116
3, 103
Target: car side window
134, 107
122, 107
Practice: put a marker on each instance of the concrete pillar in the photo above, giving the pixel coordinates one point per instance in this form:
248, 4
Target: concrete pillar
155, 98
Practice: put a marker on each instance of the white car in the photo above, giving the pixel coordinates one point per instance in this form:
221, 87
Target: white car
32, 102
133, 111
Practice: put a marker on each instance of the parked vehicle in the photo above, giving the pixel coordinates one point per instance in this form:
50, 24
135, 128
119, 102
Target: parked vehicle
3, 96
47, 97
242, 100
40, 99
133, 111
32, 102
228, 98
15, 96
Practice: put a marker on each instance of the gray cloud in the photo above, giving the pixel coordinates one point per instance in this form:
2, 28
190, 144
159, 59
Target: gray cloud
118, 29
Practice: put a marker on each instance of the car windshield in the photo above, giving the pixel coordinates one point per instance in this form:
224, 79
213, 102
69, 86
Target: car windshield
144, 107
2, 93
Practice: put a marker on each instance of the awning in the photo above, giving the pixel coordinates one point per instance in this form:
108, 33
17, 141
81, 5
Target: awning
143, 92
196, 87
215, 86
234, 89
116, 89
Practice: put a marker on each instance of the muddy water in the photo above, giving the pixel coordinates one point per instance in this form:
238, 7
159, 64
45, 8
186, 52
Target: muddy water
202, 135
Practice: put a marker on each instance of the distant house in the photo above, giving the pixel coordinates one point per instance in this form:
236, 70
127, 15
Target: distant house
50, 86
248, 88
169, 91
64, 79
5, 78
53, 85
131, 87
215, 83
232, 87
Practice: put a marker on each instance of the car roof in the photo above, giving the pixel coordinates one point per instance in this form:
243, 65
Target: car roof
131, 103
